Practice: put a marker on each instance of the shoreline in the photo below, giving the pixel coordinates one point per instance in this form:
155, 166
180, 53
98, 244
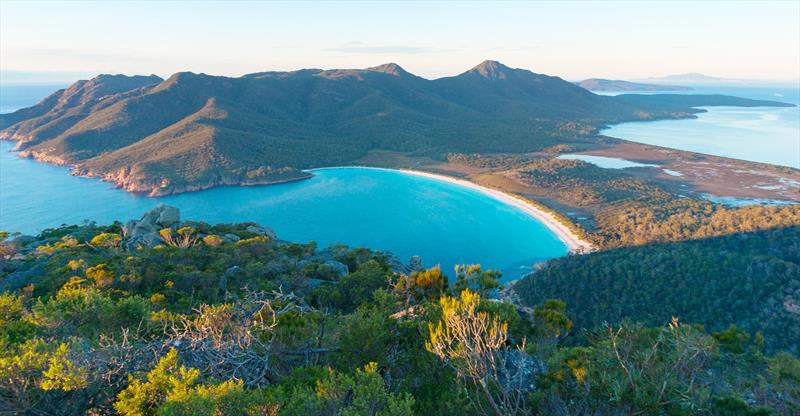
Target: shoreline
574, 243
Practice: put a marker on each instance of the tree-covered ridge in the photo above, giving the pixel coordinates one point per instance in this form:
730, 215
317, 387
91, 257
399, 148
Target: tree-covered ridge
193, 131
751, 280
195, 319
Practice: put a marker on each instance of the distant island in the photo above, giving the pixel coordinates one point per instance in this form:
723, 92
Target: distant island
690, 78
195, 131
612, 85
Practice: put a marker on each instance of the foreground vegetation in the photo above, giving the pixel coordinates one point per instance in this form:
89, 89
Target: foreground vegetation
228, 320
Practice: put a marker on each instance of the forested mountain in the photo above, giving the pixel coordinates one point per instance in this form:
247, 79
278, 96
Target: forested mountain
751, 280
163, 317
193, 131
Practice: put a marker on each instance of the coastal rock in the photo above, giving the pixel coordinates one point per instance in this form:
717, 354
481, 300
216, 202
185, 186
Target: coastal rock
415, 264
163, 216
169, 216
261, 231
230, 238
144, 232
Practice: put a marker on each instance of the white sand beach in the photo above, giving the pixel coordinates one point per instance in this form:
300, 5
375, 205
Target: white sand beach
573, 242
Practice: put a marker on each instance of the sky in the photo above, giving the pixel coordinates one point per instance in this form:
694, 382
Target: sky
62, 41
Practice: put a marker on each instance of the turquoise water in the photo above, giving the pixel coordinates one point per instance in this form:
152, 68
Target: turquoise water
387, 210
759, 134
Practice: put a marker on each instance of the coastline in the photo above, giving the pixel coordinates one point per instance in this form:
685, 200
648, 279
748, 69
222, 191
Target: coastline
574, 243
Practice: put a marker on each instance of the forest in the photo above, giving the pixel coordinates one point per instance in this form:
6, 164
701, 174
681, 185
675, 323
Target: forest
751, 280
228, 319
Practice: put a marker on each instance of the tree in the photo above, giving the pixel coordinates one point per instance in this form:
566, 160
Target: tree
651, 369
184, 237
106, 240
474, 345
420, 285
472, 277
339, 394
174, 390
732, 339
102, 275
212, 240
551, 323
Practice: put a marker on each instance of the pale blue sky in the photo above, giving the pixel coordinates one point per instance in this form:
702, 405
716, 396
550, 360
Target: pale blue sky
574, 40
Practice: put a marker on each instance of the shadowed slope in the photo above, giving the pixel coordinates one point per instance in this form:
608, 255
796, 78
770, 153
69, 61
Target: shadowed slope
195, 130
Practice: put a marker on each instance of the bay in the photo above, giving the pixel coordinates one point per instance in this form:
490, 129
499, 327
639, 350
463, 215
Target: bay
757, 134
404, 214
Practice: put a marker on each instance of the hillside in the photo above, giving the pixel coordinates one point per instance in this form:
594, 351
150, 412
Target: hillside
614, 85
194, 131
751, 280
164, 317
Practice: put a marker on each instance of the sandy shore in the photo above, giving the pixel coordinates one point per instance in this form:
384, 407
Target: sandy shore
572, 241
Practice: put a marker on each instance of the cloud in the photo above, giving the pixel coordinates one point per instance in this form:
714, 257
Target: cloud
517, 49
353, 47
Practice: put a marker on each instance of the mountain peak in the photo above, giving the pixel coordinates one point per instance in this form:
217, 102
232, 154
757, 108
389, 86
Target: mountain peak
491, 70
391, 68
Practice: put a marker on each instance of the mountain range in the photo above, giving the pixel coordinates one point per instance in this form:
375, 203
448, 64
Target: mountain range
691, 78
614, 85
193, 131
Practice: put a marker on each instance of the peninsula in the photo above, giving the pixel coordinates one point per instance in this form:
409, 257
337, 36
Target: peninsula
615, 85
195, 131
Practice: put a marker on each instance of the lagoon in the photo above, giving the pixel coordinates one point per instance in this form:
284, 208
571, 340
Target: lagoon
607, 162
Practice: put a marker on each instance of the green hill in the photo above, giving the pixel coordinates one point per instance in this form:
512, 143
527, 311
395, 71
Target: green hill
194, 131
750, 279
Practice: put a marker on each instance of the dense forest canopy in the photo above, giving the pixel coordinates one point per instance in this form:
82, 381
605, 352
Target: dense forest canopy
751, 280
162, 317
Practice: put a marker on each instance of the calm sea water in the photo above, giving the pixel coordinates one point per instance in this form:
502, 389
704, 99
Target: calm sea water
14, 97
387, 210
759, 134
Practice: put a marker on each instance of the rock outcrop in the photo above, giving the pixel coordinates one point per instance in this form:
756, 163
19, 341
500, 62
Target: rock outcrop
262, 231
144, 232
